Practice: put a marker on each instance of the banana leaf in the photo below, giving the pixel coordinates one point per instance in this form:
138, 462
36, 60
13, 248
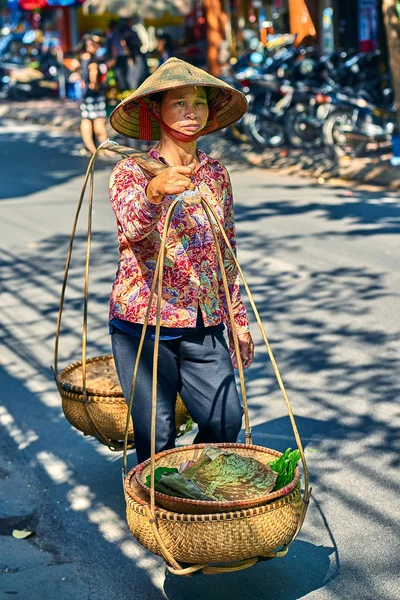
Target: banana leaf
227, 475
182, 487
159, 472
168, 480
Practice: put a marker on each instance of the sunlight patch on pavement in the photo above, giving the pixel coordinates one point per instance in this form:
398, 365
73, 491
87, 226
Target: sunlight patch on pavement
113, 529
80, 497
55, 468
109, 523
132, 551
23, 439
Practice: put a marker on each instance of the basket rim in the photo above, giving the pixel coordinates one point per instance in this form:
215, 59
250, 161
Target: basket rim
224, 505
66, 385
138, 505
92, 399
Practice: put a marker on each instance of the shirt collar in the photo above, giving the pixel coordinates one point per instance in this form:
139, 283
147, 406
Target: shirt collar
202, 156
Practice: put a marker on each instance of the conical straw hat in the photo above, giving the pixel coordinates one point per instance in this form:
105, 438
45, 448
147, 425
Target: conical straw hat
230, 104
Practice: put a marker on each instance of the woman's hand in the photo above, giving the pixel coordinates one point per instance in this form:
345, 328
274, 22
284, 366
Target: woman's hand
246, 347
174, 180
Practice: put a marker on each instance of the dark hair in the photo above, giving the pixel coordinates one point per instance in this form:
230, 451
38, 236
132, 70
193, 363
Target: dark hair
157, 98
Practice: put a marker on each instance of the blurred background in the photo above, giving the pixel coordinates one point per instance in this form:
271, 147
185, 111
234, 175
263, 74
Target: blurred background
317, 73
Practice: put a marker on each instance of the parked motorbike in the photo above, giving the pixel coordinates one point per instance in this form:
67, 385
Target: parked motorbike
355, 123
19, 82
271, 94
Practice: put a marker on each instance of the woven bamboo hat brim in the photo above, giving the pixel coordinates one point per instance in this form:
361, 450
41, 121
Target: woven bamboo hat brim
230, 104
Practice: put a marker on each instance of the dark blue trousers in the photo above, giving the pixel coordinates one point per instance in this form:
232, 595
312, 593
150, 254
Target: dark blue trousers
199, 367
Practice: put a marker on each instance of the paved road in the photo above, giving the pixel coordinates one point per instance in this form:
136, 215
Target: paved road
322, 263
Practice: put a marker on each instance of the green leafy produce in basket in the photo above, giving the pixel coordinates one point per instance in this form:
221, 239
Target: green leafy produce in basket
169, 481
227, 475
285, 466
217, 475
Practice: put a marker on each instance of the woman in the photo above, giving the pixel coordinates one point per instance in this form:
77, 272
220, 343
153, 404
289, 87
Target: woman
176, 105
93, 105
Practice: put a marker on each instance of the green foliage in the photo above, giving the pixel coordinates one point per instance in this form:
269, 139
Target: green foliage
285, 466
186, 427
169, 481
185, 488
159, 472
226, 475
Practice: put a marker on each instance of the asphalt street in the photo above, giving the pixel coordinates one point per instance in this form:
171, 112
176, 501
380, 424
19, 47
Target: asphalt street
322, 263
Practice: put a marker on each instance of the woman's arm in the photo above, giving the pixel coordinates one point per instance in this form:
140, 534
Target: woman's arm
137, 202
135, 213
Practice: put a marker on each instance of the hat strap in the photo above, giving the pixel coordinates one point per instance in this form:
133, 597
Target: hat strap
145, 122
146, 114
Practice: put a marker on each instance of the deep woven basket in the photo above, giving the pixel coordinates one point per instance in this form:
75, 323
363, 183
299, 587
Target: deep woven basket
106, 403
173, 458
219, 537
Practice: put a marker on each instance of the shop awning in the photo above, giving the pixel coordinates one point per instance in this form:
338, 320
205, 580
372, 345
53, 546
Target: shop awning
144, 9
34, 4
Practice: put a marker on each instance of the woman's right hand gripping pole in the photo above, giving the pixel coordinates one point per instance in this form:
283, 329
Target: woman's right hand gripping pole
174, 180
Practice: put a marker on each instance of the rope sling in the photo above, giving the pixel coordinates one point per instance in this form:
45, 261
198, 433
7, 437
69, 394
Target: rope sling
199, 196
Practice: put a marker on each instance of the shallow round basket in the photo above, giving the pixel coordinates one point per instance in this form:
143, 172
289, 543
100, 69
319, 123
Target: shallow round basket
214, 538
173, 458
106, 403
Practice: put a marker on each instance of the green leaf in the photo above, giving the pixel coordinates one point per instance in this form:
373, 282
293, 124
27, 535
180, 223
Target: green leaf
186, 427
285, 466
278, 465
159, 472
184, 487
295, 457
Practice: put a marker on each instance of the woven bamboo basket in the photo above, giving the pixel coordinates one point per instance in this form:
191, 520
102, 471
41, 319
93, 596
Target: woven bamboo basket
174, 457
105, 406
214, 538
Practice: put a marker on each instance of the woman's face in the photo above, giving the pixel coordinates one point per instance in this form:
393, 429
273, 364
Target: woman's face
92, 46
185, 109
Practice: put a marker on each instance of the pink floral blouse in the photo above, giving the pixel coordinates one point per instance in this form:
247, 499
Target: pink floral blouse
191, 274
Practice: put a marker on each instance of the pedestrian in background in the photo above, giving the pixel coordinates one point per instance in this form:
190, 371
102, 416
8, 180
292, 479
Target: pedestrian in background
137, 64
164, 47
118, 55
126, 57
93, 105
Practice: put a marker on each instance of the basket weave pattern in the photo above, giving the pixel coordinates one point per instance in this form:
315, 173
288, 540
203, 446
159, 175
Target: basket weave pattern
106, 402
222, 537
173, 458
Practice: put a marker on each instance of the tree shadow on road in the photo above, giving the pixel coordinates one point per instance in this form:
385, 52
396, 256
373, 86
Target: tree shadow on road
38, 160
360, 213
81, 509
336, 360
305, 569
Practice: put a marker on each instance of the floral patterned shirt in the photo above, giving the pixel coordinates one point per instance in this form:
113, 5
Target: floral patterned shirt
192, 279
